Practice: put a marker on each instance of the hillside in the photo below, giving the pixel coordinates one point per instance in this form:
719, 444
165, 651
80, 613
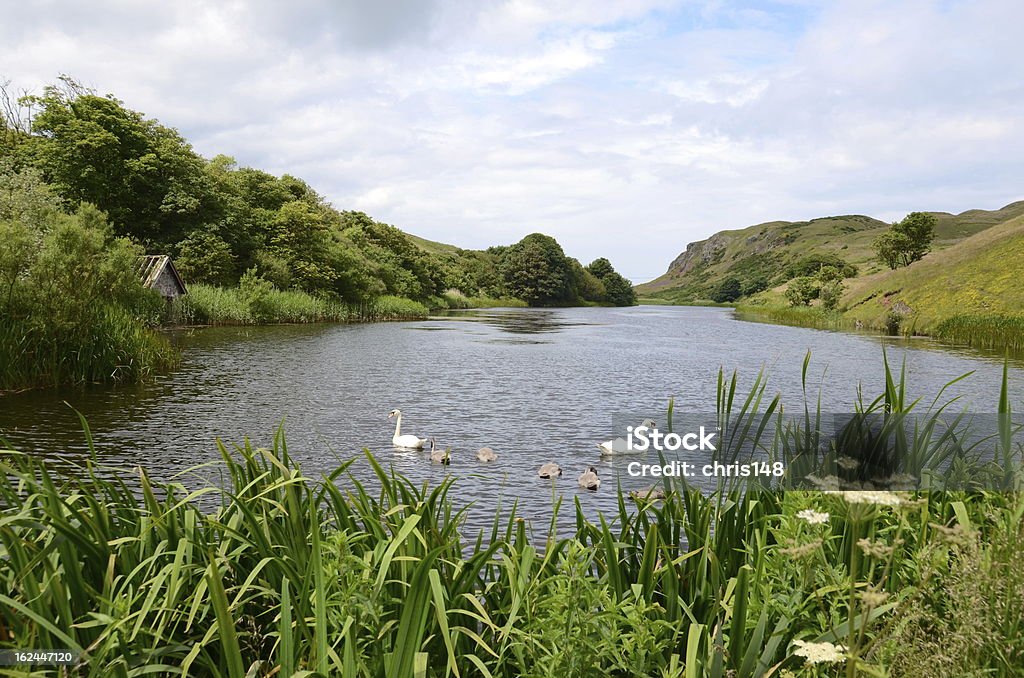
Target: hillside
980, 275
766, 255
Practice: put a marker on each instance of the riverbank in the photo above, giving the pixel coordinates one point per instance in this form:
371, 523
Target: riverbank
209, 305
294, 573
997, 332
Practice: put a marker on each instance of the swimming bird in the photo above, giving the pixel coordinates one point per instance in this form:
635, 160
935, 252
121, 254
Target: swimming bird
486, 454
620, 445
440, 456
550, 470
652, 493
408, 440
589, 479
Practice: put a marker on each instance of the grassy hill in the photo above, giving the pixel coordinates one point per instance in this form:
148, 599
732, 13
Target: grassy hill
765, 256
979, 275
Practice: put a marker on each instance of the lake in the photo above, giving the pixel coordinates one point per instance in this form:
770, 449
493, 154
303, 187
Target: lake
537, 385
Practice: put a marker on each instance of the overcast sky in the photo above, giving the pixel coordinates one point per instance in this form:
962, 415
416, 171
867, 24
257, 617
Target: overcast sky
625, 129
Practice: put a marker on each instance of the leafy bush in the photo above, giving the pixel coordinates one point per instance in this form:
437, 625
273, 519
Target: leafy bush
802, 290
812, 264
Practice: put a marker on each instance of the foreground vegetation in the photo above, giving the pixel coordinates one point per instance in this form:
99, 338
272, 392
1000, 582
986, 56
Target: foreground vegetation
282, 574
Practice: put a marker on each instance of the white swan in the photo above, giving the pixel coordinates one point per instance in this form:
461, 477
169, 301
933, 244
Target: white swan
589, 479
550, 470
440, 456
620, 445
408, 440
486, 454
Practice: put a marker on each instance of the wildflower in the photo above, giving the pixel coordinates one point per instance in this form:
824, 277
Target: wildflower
877, 497
958, 534
812, 517
800, 551
826, 483
819, 653
847, 463
877, 549
873, 597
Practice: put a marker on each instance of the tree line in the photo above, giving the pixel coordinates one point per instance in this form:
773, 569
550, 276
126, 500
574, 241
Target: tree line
220, 221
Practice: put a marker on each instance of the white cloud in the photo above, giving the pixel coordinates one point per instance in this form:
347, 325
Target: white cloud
623, 129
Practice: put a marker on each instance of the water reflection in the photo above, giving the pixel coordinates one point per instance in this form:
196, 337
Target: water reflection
519, 320
536, 385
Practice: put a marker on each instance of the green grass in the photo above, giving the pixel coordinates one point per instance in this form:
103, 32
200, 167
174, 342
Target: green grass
983, 331
275, 572
767, 248
453, 299
803, 316
978, 276
208, 305
113, 346
965, 291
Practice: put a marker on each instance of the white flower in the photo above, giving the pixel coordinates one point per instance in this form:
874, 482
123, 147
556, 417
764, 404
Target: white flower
819, 653
877, 497
812, 517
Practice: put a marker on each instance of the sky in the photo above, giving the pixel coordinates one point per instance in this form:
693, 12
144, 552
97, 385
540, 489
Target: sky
625, 129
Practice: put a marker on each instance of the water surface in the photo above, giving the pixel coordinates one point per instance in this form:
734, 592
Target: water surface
536, 385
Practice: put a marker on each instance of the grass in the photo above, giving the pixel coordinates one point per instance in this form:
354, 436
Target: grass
209, 305
112, 347
454, 299
978, 276
276, 573
803, 316
995, 331
965, 291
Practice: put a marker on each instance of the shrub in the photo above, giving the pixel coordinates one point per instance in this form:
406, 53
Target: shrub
802, 290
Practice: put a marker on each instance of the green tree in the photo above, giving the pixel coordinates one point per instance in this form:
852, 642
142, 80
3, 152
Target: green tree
586, 286
143, 175
906, 241
729, 289
204, 257
891, 247
802, 290
301, 239
619, 291
919, 228
829, 293
536, 270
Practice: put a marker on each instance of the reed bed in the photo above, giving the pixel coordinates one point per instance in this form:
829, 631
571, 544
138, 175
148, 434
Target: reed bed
292, 575
112, 347
454, 299
802, 316
209, 305
995, 331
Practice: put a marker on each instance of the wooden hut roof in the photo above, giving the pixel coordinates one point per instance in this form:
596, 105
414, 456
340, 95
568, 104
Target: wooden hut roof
151, 266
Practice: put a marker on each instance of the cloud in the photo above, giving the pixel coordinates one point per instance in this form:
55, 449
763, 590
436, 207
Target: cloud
623, 129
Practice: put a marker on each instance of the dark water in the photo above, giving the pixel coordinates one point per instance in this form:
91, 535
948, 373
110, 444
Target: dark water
535, 385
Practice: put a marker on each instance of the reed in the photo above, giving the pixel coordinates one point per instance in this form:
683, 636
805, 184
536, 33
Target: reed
272, 572
110, 346
209, 305
995, 331
801, 316
454, 299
